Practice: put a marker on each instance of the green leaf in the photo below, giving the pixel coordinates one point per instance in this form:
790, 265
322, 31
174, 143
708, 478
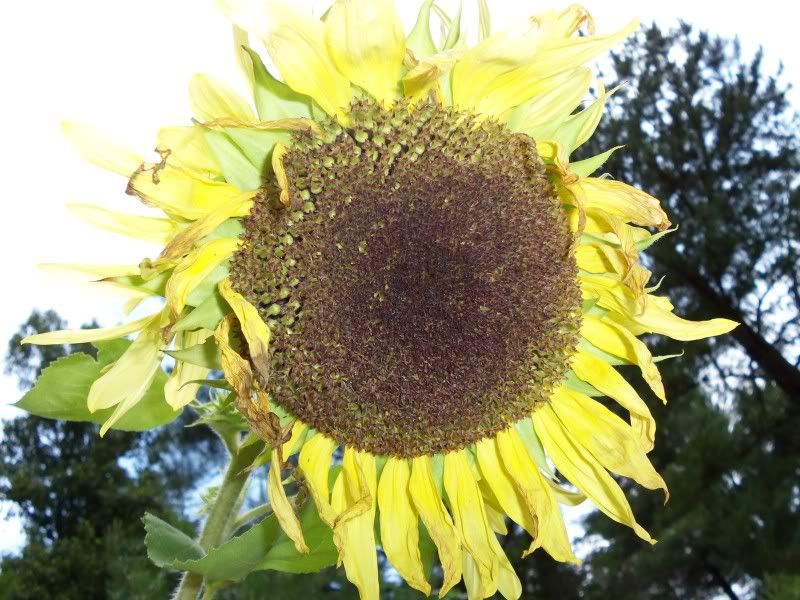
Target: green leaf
209, 285
454, 33
63, 388
206, 315
258, 144
236, 167
578, 385
262, 547
232, 228
217, 384
644, 244
534, 445
168, 547
274, 99
420, 40
203, 355
283, 556
155, 286
609, 358
109, 351
584, 168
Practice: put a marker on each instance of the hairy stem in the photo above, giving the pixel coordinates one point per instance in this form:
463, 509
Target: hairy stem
222, 513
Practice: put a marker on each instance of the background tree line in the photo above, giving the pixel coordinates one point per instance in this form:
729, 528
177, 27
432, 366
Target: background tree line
712, 134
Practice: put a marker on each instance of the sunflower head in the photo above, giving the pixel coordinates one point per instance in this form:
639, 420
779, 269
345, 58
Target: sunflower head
395, 255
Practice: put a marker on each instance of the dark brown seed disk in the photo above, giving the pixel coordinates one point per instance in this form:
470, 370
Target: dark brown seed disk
421, 288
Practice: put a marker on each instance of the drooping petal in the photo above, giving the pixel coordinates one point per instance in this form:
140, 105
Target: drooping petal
609, 439
129, 378
502, 486
366, 42
400, 524
617, 340
437, 521
606, 379
354, 502
255, 330
194, 269
624, 201
583, 470
236, 369
150, 229
100, 150
83, 336
178, 390
189, 237
283, 509
550, 532
315, 462
470, 519
211, 99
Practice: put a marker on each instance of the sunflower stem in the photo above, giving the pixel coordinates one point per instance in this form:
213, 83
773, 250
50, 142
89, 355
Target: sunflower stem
219, 517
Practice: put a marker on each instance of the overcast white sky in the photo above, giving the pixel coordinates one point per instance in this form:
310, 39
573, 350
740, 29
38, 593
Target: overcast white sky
124, 66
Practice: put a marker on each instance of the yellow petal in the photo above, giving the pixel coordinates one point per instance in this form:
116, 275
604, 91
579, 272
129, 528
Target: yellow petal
255, 330
186, 148
129, 378
353, 534
655, 319
212, 100
504, 71
186, 240
540, 116
550, 532
296, 44
606, 379
617, 340
283, 509
470, 519
655, 316
178, 391
607, 437
624, 201
583, 470
419, 81
181, 193
150, 229
315, 462
437, 521
502, 487
365, 39
400, 525
100, 150
278, 154
193, 269
83, 336
472, 579
299, 429
236, 369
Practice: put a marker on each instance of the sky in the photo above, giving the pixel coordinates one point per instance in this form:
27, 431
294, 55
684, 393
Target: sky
125, 67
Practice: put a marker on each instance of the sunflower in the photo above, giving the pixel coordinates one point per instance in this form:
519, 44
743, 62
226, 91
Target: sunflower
411, 285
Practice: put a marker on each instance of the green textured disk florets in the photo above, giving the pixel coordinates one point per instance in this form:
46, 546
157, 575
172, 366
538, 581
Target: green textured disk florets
421, 286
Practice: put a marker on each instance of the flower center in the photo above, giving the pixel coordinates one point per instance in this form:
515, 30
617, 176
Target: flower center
421, 288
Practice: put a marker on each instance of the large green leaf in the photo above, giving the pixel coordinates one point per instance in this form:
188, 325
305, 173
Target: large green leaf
264, 546
63, 388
